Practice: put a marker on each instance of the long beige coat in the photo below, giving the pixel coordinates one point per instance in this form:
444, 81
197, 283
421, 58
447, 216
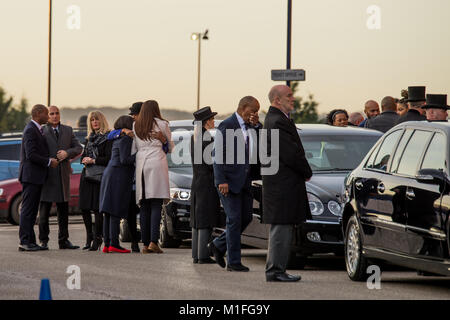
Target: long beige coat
151, 163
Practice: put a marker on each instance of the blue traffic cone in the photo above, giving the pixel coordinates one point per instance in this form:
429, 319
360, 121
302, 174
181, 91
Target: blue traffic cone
46, 293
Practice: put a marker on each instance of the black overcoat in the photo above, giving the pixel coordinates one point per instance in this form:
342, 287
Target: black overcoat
285, 200
90, 191
411, 115
205, 202
117, 179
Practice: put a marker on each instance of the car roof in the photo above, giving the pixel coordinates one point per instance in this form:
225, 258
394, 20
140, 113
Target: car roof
9, 141
317, 129
444, 126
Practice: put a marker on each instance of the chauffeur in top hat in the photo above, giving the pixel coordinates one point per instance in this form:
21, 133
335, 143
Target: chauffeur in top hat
436, 107
416, 99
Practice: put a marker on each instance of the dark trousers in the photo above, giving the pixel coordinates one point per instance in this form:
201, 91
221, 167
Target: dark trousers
111, 230
133, 210
98, 230
200, 239
280, 243
31, 196
150, 220
238, 209
63, 221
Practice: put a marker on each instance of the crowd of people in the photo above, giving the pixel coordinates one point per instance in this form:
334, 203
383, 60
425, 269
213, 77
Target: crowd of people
126, 172
414, 105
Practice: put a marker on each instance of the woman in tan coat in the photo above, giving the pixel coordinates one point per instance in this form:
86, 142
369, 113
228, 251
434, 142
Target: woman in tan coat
152, 172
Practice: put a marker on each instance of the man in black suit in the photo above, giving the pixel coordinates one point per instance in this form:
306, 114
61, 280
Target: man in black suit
233, 177
416, 99
387, 119
284, 197
63, 145
34, 163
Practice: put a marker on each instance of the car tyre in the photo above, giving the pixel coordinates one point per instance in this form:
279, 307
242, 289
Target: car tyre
14, 215
355, 262
165, 239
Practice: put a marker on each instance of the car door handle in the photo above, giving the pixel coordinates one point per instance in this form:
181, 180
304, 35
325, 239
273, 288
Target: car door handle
410, 194
381, 188
359, 185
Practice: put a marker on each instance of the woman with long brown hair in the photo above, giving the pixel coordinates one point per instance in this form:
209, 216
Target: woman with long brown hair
97, 151
152, 172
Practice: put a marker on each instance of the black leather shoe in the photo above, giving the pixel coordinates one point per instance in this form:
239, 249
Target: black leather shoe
135, 247
194, 260
67, 245
237, 267
29, 247
206, 261
283, 277
217, 254
44, 246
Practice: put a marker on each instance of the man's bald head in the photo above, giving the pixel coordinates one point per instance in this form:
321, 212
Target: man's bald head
371, 109
355, 118
281, 97
39, 113
277, 91
388, 104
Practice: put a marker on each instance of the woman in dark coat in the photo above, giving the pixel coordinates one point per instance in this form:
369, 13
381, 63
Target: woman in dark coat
96, 151
205, 203
117, 184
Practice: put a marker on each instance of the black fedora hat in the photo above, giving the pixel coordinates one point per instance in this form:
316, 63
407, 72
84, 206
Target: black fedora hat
135, 108
416, 94
437, 101
202, 114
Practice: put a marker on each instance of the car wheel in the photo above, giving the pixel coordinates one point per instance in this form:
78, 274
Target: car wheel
125, 234
165, 239
16, 205
296, 262
355, 261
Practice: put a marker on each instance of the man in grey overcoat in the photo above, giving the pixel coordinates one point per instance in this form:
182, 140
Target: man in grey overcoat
64, 146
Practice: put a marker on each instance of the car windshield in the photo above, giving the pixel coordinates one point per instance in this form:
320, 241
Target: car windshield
336, 153
180, 156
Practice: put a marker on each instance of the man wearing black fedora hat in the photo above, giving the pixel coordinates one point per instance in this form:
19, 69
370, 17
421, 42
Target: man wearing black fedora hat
436, 107
416, 99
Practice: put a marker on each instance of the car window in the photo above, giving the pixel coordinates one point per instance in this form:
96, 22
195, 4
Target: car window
435, 155
10, 151
386, 150
400, 148
413, 151
369, 163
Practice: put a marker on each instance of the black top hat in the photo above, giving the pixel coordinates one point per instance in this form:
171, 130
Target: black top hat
202, 114
135, 108
437, 101
416, 94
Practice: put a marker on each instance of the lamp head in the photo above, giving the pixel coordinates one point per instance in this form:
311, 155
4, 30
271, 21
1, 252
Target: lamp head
194, 36
205, 35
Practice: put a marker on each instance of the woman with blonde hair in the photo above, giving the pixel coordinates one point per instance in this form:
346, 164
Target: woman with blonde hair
152, 172
95, 157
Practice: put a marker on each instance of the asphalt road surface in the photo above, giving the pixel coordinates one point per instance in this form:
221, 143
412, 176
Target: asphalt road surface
173, 276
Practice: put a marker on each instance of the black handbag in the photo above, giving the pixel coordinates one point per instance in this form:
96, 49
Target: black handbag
94, 172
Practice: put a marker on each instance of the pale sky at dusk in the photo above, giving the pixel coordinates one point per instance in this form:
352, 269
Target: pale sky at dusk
136, 50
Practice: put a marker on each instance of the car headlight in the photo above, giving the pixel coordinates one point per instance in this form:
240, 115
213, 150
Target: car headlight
180, 194
335, 208
315, 205
1, 191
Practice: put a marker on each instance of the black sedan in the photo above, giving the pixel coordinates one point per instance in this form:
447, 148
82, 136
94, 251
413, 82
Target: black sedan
398, 202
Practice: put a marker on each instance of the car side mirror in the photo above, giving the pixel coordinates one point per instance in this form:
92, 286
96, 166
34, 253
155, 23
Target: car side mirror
432, 176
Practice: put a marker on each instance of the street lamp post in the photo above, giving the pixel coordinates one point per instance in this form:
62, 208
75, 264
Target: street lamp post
49, 54
199, 36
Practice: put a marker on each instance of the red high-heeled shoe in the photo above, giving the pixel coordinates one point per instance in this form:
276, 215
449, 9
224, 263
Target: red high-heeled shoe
118, 249
106, 249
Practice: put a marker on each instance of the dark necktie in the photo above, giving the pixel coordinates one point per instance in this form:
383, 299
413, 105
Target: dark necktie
41, 131
56, 133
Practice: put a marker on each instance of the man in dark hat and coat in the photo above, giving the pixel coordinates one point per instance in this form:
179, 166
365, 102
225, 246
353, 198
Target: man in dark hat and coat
416, 99
436, 107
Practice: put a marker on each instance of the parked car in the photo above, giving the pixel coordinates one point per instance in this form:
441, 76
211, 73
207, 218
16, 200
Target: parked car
177, 125
398, 202
10, 187
332, 152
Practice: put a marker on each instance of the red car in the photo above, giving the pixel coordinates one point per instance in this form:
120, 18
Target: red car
11, 195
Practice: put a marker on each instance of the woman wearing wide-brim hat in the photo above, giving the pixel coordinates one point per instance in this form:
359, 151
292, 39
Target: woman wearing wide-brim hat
205, 203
